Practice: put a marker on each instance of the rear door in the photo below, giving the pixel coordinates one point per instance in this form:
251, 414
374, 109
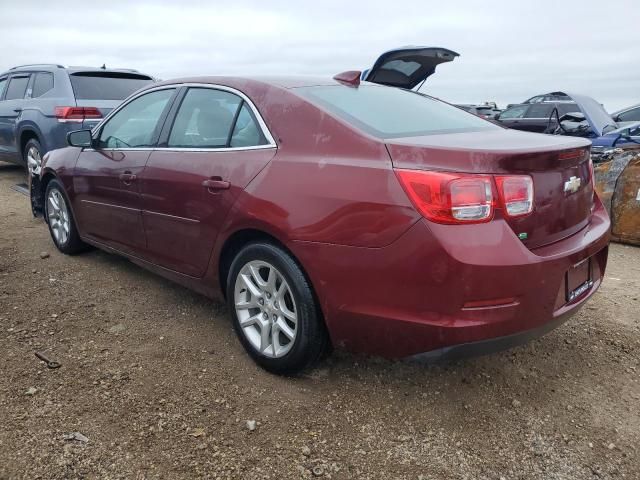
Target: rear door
10, 110
107, 199
407, 67
536, 118
210, 149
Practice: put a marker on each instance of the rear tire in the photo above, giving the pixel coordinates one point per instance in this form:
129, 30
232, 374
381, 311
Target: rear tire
62, 225
32, 156
274, 311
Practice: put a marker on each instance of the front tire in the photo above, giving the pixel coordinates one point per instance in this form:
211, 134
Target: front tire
274, 311
62, 225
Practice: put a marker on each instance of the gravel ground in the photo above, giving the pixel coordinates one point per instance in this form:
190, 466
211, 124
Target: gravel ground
156, 385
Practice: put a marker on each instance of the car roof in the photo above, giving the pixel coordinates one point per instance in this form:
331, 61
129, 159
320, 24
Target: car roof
241, 82
622, 110
71, 69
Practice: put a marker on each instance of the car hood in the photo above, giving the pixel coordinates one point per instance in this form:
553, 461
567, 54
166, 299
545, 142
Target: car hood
594, 113
407, 67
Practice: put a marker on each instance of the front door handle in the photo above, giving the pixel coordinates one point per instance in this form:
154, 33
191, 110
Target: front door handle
214, 184
127, 178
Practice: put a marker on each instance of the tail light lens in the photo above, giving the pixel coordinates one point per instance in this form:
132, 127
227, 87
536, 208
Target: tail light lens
453, 198
449, 198
516, 194
77, 114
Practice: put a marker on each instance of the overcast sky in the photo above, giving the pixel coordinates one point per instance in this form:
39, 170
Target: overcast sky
508, 51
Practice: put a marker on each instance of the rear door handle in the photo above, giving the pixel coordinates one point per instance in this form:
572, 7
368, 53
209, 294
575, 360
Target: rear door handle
215, 183
127, 178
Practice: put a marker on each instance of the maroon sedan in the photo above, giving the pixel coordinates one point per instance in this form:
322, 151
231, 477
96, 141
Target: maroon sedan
336, 213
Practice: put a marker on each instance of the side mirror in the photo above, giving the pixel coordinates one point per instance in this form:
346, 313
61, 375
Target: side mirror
80, 138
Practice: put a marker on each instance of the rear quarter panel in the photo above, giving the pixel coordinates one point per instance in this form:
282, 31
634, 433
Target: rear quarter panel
328, 183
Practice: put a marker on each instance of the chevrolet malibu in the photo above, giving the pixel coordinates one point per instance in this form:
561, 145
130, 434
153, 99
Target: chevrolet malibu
336, 213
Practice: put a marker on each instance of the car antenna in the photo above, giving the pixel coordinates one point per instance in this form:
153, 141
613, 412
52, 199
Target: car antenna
104, 66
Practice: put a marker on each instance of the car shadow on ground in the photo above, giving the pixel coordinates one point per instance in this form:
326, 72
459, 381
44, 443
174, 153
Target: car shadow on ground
550, 358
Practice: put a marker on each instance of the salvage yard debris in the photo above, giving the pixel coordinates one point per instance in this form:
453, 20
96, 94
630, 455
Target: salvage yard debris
75, 437
617, 178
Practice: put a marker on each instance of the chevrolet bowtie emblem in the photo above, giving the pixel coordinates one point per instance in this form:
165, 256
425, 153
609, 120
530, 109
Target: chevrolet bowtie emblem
572, 185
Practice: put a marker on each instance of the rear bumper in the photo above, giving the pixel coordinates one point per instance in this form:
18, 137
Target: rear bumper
491, 345
446, 288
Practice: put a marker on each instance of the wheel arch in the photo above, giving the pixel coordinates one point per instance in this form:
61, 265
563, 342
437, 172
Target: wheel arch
235, 242
27, 133
238, 240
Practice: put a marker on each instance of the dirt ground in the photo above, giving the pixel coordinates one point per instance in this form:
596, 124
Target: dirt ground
154, 378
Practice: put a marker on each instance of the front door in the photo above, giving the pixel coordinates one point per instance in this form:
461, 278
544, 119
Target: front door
10, 110
215, 146
106, 181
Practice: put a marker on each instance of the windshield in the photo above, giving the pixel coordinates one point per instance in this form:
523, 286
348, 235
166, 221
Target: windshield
388, 112
106, 85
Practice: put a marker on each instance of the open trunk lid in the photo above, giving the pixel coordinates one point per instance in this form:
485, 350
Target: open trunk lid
559, 167
407, 67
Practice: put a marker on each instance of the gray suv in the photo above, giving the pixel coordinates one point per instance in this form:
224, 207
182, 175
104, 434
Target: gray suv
40, 104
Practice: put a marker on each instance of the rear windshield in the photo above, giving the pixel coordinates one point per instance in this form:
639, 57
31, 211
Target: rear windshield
106, 85
388, 112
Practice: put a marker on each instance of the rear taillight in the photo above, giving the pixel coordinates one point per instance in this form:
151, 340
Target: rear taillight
457, 198
449, 198
77, 114
516, 194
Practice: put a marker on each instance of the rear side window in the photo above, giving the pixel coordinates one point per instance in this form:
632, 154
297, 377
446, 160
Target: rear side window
17, 88
568, 108
388, 112
539, 110
42, 84
632, 115
106, 85
3, 82
246, 132
514, 112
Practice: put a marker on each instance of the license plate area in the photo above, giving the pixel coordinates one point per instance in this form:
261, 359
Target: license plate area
578, 280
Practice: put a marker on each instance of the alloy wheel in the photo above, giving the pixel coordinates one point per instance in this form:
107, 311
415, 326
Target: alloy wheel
58, 215
34, 160
266, 309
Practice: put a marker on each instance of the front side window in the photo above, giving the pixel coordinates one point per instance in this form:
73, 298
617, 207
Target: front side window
42, 84
136, 124
17, 88
388, 112
209, 118
514, 112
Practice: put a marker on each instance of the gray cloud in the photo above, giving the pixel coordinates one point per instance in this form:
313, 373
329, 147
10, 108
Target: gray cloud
509, 50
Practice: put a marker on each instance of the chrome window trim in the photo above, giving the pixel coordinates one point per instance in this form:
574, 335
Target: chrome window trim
271, 143
180, 149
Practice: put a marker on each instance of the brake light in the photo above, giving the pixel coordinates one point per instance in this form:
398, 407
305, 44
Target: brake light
516, 194
449, 198
77, 114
